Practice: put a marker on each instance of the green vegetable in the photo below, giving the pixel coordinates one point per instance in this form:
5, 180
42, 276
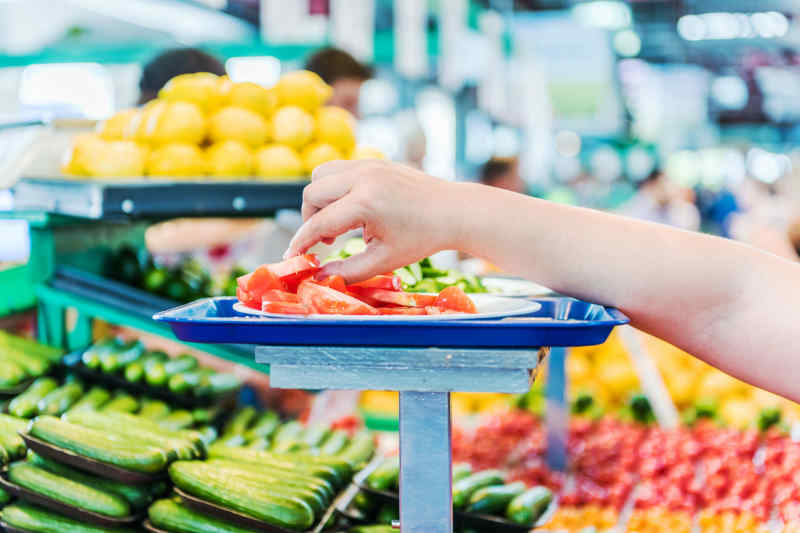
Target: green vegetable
67, 491
30, 346
187, 382
122, 402
24, 405
178, 419
153, 409
134, 372
171, 515
407, 277
37, 520
314, 436
529, 506
115, 360
11, 373
460, 471
264, 426
4, 497
465, 488
92, 400
494, 500
286, 435
159, 373
218, 384
93, 355
582, 403
129, 454
768, 417
289, 512
10, 440
59, 400
386, 476
155, 280
335, 443
303, 465
205, 415
372, 529
359, 450
388, 514
261, 443
240, 421
641, 409
32, 364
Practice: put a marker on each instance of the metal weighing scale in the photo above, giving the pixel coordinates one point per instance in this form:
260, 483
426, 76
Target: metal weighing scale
425, 362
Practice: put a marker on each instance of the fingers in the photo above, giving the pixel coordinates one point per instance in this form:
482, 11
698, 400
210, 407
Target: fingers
317, 195
337, 218
359, 267
334, 167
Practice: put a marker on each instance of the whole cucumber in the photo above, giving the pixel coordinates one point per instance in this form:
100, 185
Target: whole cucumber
11, 373
460, 471
24, 405
297, 479
335, 443
286, 435
360, 449
264, 427
218, 384
240, 421
314, 436
159, 373
187, 382
260, 443
10, 440
178, 419
4, 497
173, 516
59, 400
32, 364
288, 463
494, 500
134, 372
465, 488
122, 402
92, 400
386, 476
153, 409
37, 520
114, 361
67, 491
529, 506
91, 358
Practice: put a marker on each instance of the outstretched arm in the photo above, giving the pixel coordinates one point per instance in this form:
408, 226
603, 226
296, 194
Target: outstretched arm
727, 303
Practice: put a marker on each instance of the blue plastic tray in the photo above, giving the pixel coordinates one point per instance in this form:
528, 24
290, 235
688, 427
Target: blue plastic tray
560, 322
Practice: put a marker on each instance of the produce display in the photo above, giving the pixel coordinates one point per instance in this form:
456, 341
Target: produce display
205, 125
418, 277
23, 359
292, 287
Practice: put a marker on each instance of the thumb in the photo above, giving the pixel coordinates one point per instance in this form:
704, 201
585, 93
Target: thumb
359, 267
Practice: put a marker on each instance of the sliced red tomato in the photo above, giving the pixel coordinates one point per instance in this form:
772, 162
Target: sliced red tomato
433, 310
383, 281
334, 282
307, 263
402, 310
402, 299
455, 299
241, 281
273, 295
247, 299
286, 308
328, 301
294, 281
261, 280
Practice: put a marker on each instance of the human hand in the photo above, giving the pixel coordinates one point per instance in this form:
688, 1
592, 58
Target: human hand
405, 215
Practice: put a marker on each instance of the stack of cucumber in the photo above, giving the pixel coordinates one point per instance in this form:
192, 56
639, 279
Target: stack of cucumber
476, 493
23, 359
131, 364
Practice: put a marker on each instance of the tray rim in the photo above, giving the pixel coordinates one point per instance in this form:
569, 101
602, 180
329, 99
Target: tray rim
66, 509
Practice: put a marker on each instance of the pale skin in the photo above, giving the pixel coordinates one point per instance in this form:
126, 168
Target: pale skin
727, 303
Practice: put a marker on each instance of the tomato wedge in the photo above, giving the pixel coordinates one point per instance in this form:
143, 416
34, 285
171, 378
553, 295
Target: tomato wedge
334, 282
402, 299
273, 295
247, 299
286, 308
261, 280
383, 281
402, 311
307, 263
433, 310
328, 301
455, 299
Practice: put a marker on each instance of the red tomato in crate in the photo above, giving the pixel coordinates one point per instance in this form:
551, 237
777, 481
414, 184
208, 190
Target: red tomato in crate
455, 299
384, 281
328, 301
285, 308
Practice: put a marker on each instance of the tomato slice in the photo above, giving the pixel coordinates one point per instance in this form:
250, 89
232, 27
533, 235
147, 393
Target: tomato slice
328, 301
274, 295
334, 282
286, 308
261, 280
247, 299
402, 310
433, 310
455, 299
383, 281
402, 299
307, 263
241, 281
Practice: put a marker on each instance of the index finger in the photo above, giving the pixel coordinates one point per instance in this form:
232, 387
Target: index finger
334, 167
339, 217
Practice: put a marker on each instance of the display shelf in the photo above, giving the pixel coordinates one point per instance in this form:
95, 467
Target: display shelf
156, 198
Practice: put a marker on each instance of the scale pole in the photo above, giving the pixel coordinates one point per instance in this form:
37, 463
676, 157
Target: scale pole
426, 501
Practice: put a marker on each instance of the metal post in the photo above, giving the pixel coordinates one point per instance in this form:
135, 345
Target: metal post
557, 411
426, 502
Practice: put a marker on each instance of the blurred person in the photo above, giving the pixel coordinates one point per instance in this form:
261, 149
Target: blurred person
660, 200
170, 63
503, 172
343, 73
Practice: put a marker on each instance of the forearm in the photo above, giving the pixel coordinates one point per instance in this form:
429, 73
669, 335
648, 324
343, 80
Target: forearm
704, 294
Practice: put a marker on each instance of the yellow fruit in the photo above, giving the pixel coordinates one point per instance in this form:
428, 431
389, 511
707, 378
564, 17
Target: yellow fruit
250, 96
239, 124
718, 385
176, 159
738, 413
229, 158
292, 126
278, 161
335, 126
620, 379
304, 89
318, 153
118, 126
377, 401
163, 122
118, 159
84, 147
202, 89
366, 152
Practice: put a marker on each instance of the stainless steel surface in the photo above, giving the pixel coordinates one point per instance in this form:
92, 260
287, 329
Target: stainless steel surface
426, 504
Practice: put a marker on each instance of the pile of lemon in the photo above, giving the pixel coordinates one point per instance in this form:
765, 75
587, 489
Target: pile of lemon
206, 125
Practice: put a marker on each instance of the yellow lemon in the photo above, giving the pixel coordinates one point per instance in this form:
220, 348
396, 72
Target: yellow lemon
279, 161
118, 126
335, 126
201, 88
250, 96
366, 152
84, 148
304, 89
176, 159
163, 122
292, 126
229, 158
318, 153
118, 159
239, 124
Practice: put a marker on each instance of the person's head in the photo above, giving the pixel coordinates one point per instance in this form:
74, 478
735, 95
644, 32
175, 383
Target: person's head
343, 72
503, 172
166, 65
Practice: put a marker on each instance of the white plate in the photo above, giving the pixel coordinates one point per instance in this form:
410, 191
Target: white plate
514, 287
489, 306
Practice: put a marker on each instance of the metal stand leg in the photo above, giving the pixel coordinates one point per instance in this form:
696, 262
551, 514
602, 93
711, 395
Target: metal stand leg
426, 503
557, 412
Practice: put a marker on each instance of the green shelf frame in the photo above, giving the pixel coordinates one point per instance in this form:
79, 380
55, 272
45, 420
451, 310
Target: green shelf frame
52, 304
